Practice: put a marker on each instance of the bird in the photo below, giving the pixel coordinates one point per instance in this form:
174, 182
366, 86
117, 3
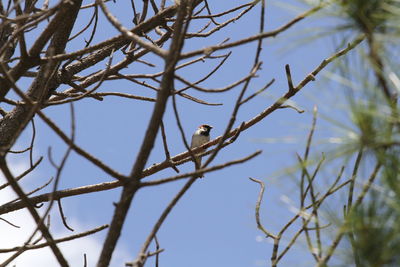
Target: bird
199, 138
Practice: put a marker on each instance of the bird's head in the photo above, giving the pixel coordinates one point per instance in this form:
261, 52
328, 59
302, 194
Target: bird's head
205, 129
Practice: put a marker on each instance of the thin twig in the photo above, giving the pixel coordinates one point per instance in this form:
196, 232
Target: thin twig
165, 145
10, 223
258, 205
22, 175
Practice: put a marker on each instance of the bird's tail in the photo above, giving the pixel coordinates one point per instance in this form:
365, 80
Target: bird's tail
198, 165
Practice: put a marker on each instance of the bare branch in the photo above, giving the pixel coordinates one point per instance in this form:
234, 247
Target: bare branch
258, 205
43, 245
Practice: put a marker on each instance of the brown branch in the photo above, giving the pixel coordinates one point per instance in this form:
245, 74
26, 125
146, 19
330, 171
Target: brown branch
10, 223
60, 194
166, 150
353, 180
289, 77
223, 13
60, 240
258, 205
63, 218
93, 18
257, 92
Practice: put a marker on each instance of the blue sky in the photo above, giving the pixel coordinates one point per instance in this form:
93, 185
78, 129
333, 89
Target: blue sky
214, 223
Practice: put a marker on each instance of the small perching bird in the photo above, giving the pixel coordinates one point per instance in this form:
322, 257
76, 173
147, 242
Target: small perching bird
199, 138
